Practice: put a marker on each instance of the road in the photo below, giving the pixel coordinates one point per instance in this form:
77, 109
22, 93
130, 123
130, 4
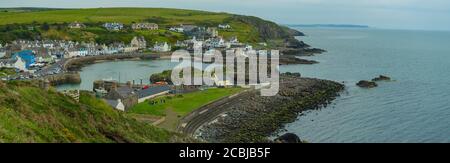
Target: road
60, 66
208, 113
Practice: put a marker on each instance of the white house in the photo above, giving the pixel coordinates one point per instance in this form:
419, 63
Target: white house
234, 41
216, 42
2, 54
248, 47
117, 104
113, 26
16, 62
212, 31
111, 49
161, 47
77, 52
139, 42
19, 63
198, 45
177, 29
181, 44
130, 49
48, 44
224, 26
148, 26
3, 62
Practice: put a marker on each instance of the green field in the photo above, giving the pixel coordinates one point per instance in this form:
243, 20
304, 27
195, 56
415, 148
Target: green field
124, 15
30, 114
52, 24
185, 103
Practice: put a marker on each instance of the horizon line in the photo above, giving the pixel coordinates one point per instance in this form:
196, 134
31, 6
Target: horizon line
286, 24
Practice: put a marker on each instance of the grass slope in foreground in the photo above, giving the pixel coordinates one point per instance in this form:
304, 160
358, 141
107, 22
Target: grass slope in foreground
7, 71
30, 114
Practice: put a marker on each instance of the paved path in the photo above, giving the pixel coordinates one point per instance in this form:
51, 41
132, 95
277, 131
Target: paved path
192, 122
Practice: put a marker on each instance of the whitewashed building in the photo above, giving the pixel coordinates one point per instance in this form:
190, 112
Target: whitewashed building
224, 26
177, 29
139, 42
16, 62
117, 104
113, 26
130, 49
161, 47
212, 31
148, 26
77, 52
2, 53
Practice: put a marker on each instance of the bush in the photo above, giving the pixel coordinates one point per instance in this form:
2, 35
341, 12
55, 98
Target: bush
45, 26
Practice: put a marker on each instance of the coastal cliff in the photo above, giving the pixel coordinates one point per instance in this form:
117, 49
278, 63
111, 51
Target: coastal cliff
279, 37
267, 30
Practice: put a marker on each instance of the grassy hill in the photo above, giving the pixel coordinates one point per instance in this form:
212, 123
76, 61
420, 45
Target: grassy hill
30, 114
124, 15
15, 25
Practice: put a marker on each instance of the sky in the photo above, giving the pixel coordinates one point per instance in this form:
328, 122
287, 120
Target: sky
392, 14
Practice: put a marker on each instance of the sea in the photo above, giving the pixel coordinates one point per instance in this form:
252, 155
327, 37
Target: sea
413, 107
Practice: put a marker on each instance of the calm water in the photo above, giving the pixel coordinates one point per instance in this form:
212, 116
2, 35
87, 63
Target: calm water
123, 70
414, 108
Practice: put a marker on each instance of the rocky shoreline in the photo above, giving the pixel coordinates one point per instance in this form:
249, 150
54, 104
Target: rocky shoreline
254, 118
292, 50
291, 59
64, 78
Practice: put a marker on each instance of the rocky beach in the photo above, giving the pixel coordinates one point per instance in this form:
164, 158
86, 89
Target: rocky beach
250, 117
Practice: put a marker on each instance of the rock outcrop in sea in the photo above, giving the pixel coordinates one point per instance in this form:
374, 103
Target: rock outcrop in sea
381, 78
288, 138
367, 84
372, 83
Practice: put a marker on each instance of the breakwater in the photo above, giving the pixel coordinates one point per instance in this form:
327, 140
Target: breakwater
75, 64
64, 78
254, 118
